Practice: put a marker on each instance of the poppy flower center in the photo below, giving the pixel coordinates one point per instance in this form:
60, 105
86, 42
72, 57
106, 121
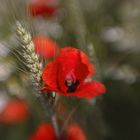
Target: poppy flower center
71, 82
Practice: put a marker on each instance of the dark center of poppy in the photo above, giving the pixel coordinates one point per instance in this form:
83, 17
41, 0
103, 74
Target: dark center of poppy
71, 86
71, 82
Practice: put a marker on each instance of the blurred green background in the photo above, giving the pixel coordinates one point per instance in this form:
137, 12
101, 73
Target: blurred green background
108, 31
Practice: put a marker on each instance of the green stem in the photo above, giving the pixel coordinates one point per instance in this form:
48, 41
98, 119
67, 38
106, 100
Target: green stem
49, 111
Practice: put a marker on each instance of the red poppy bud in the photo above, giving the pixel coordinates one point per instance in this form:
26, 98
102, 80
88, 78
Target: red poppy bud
45, 47
15, 111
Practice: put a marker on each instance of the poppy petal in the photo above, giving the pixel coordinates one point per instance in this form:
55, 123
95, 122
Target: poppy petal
73, 58
85, 66
49, 75
52, 74
90, 89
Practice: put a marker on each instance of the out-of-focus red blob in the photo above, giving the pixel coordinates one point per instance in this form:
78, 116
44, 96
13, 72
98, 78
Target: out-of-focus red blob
74, 132
15, 111
43, 7
45, 46
46, 132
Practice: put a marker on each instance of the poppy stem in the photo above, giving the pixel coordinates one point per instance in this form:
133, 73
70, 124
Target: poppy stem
50, 100
55, 125
68, 118
49, 111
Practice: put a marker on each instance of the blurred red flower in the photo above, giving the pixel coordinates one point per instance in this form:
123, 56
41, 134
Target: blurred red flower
74, 132
45, 47
66, 75
43, 7
15, 111
46, 132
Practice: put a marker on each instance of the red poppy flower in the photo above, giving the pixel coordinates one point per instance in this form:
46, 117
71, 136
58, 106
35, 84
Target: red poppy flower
46, 132
45, 47
15, 111
66, 75
43, 7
